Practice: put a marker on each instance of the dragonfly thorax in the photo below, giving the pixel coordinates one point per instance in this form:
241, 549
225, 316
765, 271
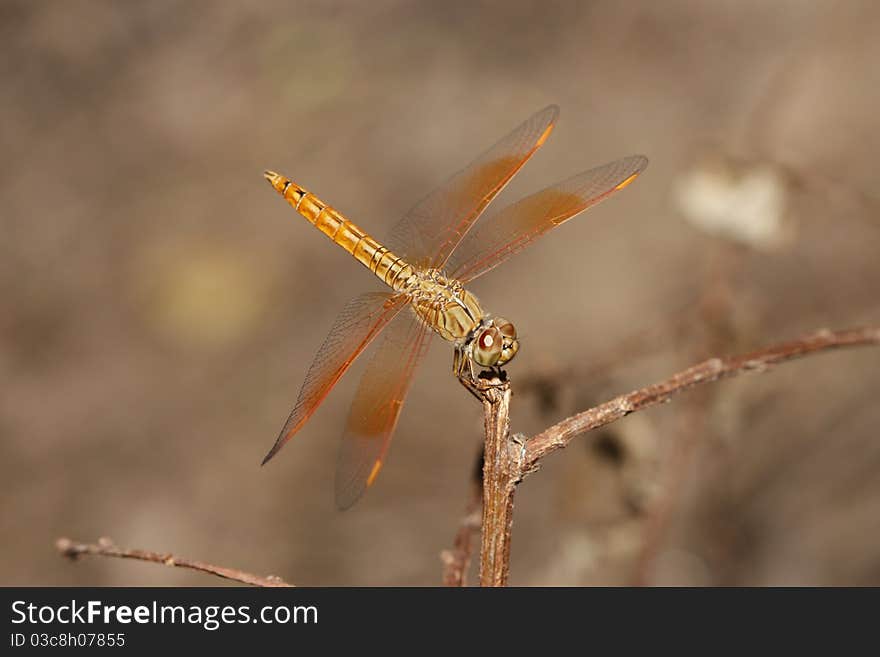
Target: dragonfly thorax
456, 315
444, 304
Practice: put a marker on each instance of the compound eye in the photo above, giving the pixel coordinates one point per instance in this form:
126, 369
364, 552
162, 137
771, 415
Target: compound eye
487, 349
509, 351
506, 328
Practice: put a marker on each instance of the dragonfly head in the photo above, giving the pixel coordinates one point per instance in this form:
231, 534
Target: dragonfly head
495, 343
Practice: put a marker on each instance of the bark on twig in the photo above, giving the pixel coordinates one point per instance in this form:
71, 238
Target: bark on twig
502, 470
105, 548
508, 459
559, 435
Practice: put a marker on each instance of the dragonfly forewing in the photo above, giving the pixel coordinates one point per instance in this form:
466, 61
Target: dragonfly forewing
510, 230
429, 233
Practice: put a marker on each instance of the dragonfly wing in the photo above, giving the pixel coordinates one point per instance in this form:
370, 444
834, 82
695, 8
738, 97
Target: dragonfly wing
359, 322
429, 233
509, 231
377, 406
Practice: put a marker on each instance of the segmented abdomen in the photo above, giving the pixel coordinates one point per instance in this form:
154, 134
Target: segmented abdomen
391, 269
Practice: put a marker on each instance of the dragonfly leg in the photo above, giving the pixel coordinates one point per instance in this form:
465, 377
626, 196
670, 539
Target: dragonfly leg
463, 368
497, 378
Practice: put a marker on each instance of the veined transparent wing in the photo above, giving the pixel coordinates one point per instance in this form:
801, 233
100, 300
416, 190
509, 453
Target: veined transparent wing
430, 231
362, 319
377, 405
510, 230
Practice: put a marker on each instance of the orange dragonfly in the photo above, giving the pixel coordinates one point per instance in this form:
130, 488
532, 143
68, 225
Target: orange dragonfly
431, 255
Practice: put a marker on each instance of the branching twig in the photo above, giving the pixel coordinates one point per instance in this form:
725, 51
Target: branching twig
508, 460
105, 548
559, 435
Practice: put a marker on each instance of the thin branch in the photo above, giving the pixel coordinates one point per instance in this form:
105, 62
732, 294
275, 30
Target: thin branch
508, 458
457, 560
105, 548
559, 435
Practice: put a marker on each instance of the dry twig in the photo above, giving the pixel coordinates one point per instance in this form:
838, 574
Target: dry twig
508, 460
105, 548
502, 471
559, 435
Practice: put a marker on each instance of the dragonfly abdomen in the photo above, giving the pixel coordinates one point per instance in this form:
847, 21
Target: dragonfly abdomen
391, 269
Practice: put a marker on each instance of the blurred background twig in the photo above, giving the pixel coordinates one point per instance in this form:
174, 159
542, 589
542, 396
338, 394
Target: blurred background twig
106, 548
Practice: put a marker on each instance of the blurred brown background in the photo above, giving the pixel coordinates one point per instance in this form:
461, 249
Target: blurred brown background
159, 304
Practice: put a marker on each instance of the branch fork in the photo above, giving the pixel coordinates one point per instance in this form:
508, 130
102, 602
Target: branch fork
509, 458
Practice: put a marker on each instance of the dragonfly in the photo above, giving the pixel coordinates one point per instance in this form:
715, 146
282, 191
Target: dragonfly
432, 253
